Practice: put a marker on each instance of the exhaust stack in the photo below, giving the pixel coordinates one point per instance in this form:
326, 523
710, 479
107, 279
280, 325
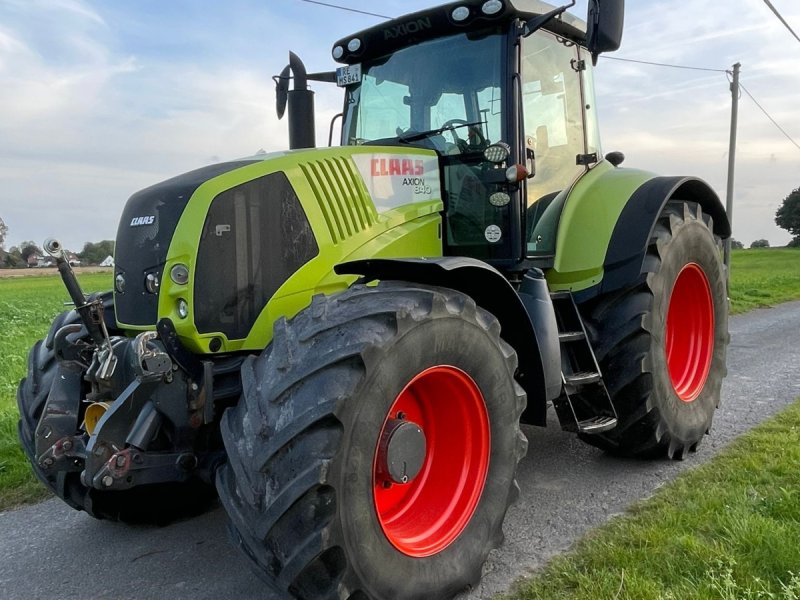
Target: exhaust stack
300, 101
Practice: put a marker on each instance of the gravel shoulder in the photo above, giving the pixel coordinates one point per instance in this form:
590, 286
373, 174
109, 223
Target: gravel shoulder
568, 487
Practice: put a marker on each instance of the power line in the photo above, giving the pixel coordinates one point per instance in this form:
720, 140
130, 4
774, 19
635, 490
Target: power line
774, 122
782, 20
348, 9
658, 64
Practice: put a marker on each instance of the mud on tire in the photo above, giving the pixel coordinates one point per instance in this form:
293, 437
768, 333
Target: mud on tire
659, 414
298, 485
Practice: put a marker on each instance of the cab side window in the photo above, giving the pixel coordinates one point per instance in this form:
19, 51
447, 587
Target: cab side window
554, 130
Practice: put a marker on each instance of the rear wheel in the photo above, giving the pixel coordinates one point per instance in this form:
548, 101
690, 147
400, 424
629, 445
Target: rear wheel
661, 345
158, 504
374, 450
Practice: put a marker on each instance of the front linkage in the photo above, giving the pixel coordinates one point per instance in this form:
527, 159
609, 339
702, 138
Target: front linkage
124, 412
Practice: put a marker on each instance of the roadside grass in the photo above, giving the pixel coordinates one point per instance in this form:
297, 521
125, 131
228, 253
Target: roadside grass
762, 277
727, 529
27, 307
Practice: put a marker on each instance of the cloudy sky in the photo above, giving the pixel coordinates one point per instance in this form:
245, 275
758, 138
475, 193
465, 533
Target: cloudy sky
100, 99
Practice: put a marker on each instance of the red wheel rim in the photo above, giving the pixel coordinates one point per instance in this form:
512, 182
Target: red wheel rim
424, 516
690, 332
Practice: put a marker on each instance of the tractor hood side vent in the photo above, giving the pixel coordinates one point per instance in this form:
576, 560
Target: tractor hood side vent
341, 195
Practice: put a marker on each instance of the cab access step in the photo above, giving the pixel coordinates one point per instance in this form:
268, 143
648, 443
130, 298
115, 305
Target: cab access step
584, 405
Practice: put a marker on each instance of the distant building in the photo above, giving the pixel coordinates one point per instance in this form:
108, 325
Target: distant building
108, 261
37, 260
73, 259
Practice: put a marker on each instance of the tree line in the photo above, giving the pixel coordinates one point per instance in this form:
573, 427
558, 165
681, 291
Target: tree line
16, 257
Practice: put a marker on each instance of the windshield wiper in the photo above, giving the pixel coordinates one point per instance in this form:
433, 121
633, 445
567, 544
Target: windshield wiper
412, 137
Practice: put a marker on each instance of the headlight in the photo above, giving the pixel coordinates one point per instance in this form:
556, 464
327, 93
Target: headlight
179, 274
183, 308
151, 283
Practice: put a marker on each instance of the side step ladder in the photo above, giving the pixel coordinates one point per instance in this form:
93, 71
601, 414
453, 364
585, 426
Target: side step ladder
584, 405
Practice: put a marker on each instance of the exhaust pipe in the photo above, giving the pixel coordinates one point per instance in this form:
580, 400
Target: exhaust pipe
300, 102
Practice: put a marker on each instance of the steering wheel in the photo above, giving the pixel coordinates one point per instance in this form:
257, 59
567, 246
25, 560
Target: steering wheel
473, 132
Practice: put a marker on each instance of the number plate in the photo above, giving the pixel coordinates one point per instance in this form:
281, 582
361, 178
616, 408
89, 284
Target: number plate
348, 75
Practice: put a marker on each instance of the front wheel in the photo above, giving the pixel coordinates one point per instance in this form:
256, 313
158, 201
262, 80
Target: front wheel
374, 450
661, 345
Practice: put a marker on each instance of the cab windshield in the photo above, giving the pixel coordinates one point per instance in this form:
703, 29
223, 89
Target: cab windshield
443, 94
452, 82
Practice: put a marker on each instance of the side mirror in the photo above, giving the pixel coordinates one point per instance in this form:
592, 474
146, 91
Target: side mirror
604, 21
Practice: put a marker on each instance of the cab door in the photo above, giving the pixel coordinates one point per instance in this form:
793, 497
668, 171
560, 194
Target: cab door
554, 132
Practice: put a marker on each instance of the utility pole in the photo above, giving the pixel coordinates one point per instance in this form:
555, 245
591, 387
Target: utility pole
732, 161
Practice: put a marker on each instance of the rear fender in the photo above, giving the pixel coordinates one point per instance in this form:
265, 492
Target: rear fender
491, 291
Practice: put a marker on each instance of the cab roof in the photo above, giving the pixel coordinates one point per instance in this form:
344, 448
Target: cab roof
414, 28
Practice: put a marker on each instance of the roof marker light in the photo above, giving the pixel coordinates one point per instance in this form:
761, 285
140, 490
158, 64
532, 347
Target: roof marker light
492, 7
338, 52
354, 44
460, 13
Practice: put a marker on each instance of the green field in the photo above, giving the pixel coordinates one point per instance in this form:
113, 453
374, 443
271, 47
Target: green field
27, 306
762, 277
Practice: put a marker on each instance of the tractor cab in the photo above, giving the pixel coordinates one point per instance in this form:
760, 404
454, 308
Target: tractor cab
503, 92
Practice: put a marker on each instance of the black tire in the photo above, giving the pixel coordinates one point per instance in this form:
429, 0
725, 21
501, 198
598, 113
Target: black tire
628, 330
151, 504
301, 442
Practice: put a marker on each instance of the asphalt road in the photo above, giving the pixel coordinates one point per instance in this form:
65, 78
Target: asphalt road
49, 551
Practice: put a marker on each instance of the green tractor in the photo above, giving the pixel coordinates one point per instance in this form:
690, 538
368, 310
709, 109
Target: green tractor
342, 342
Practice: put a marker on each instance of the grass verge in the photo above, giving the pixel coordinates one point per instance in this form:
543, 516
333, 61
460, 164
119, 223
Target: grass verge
27, 307
728, 529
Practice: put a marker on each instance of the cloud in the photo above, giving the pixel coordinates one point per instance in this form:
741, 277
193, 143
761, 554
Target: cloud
102, 99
